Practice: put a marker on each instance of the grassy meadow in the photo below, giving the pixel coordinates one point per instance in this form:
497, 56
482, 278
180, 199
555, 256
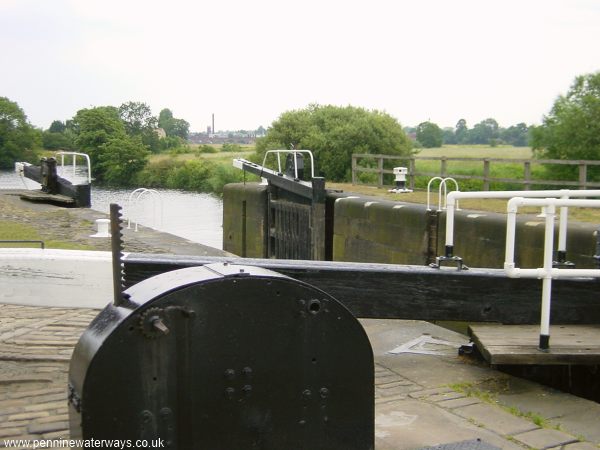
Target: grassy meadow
466, 171
199, 168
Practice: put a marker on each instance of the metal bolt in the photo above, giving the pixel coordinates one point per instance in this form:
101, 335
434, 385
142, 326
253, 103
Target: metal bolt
247, 389
230, 374
229, 392
306, 393
188, 312
247, 371
324, 392
146, 416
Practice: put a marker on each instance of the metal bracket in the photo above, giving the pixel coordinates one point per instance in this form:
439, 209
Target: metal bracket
562, 262
449, 260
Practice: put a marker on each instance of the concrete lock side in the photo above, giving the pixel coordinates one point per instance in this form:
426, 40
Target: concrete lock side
379, 231
363, 229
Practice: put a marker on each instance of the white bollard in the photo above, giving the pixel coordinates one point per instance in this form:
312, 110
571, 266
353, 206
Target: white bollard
400, 177
102, 227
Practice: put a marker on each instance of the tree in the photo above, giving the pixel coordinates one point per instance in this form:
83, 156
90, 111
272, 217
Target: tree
517, 135
448, 136
164, 117
173, 126
461, 132
333, 134
114, 155
18, 139
179, 128
58, 136
429, 135
572, 128
57, 127
121, 158
137, 117
56, 141
93, 127
139, 121
485, 132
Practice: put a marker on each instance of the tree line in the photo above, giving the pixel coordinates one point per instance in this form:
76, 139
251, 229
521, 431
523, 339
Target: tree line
487, 132
119, 140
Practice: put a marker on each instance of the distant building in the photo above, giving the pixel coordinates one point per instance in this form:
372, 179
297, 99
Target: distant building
160, 133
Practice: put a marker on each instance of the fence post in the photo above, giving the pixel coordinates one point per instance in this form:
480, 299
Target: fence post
354, 164
380, 167
582, 175
411, 173
443, 166
527, 174
486, 174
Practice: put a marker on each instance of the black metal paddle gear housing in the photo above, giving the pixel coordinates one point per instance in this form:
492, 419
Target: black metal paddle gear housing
224, 357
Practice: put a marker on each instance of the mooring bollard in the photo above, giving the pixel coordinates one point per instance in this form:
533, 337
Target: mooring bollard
102, 228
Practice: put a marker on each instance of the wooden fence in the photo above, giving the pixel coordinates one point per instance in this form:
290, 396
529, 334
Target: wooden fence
527, 181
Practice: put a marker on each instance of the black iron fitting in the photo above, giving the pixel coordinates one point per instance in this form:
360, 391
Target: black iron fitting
117, 254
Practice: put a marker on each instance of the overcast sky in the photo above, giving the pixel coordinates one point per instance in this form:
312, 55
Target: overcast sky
247, 61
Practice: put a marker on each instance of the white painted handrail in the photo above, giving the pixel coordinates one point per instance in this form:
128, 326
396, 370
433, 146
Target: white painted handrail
442, 184
429, 192
547, 272
139, 193
279, 152
452, 199
75, 155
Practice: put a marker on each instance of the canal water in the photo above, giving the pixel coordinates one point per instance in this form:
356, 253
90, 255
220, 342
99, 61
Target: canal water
191, 215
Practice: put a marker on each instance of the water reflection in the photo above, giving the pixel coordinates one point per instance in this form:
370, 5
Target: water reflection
194, 216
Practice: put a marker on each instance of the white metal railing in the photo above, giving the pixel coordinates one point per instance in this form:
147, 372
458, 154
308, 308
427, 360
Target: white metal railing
294, 152
74, 156
452, 200
136, 197
443, 182
547, 272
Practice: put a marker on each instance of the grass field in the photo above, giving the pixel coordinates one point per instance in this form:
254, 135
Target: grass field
467, 171
497, 170
477, 151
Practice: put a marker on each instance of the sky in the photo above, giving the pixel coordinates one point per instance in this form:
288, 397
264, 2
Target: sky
249, 61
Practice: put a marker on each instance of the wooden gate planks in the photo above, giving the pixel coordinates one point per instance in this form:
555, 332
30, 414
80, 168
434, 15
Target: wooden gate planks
518, 344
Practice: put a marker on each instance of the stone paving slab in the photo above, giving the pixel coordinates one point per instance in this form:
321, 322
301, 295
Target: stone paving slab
412, 424
35, 349
495, 419
412, 411
545, 438
578, 446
